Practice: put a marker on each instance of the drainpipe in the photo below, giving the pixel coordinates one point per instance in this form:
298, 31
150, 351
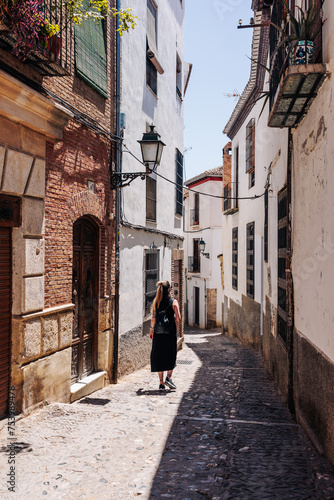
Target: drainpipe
262, 270
118, 168
205, 306
290, 327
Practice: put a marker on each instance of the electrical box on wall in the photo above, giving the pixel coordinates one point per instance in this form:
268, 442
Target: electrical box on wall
123, 120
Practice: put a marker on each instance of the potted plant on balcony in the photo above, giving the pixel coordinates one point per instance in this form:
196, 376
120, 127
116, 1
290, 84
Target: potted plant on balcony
305, 27
23, 18
32, 32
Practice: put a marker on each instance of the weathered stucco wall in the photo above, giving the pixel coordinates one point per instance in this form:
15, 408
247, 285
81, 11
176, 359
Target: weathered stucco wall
142, 108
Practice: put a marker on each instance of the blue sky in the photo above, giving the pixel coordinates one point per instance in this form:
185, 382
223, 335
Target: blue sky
218, 52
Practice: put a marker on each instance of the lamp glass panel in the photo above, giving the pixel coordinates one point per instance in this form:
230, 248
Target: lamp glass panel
149, 152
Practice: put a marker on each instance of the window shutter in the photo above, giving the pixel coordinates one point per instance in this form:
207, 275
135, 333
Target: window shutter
253, 146
179, 183
250, 145
151, 199
151, 26
196, 208
90, 54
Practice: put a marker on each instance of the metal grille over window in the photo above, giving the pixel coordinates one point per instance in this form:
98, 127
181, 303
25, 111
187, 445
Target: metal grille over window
151, 199
235, 258
151, 277
179, 183
90, 54
250, 229
282, 310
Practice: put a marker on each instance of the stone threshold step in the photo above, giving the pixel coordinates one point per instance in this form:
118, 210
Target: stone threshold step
87, 385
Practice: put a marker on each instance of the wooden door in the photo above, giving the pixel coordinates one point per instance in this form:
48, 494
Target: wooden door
5, 315
196, 304
85, 294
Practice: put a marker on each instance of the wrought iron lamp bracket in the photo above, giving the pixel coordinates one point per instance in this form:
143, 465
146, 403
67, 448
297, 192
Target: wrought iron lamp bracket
122, 179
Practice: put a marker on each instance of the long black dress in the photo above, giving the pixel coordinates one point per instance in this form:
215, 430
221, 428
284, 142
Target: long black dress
164, 345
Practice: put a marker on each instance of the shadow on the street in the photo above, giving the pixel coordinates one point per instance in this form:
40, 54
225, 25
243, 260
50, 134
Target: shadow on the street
94, 401
152, 392
232, 437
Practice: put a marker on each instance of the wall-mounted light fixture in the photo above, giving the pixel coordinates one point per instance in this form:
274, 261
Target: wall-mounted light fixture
202, 248
151, 150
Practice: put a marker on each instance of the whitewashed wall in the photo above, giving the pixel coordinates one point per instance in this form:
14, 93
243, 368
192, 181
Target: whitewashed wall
209, 229
313, 210
270, 146
166, 112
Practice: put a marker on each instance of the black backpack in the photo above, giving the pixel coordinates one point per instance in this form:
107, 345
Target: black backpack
163, 323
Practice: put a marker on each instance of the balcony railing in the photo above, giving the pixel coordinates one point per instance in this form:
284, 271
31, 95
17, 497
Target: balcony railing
55, 58
230, 198
293, 87
194, 264
194, 218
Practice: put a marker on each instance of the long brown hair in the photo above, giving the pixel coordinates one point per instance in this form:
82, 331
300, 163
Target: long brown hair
162, 292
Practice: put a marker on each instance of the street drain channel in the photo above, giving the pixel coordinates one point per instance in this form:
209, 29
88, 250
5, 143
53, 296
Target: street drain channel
183, 362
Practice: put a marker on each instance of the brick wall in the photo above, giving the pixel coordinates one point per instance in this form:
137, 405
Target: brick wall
83, 155
227, 164
80, 157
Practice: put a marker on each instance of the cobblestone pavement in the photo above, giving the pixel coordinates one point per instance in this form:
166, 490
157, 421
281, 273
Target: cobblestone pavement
223, 435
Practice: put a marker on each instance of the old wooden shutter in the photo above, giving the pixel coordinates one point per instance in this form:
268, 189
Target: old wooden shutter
151, 199
5, 301
90, 54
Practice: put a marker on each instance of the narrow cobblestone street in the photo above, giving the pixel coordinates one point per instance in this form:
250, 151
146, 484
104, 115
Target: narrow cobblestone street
224, 434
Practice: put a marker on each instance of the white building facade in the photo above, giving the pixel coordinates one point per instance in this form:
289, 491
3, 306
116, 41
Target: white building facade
202, 214
153, 81
283, 153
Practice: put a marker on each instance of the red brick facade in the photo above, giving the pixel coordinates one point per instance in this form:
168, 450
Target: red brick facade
227, 164
81, 157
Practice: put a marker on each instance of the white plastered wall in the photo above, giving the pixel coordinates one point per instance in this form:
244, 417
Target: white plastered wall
165, 110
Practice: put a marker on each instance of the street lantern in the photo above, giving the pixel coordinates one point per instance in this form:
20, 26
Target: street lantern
202, 248
151, 148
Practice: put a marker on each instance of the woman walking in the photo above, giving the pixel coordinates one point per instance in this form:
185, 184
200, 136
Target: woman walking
164, 326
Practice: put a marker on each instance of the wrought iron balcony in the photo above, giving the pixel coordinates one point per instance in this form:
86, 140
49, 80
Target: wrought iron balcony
230, 198
295, 93
55, 58
293, 87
